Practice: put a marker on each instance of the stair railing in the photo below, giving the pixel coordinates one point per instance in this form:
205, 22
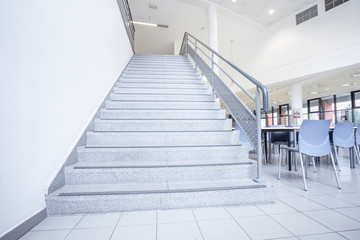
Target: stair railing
128, 21
247, 121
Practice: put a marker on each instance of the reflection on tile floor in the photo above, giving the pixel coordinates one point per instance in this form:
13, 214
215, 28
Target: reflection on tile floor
323, 212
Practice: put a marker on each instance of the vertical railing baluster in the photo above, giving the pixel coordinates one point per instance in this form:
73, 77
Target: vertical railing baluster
196, 55
186, 45
212, 77
258, 131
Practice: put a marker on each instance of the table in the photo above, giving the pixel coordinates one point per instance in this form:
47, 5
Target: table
295, 130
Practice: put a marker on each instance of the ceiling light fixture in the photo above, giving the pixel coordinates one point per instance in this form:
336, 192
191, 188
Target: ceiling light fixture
346, 85
150, 24
234, 0
153, 6
271, 11
313, 93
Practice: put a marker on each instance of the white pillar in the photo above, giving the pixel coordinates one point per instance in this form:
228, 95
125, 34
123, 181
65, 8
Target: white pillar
296, 103
213, 33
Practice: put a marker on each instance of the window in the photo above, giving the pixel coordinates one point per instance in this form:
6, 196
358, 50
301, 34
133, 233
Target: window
343, 107
329, 4
314, 109
306, 15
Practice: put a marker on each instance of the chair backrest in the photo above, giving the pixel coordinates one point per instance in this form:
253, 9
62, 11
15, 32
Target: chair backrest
314, 137
358, 135
343, 135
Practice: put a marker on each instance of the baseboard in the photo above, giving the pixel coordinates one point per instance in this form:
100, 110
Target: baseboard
25, 226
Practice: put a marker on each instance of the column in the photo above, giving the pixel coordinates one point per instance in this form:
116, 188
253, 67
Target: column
296, 103
213, 33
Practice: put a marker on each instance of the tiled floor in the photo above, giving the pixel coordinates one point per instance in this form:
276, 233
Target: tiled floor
323, 212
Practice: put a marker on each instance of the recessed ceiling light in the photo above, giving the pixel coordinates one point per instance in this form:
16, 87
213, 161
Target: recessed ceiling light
346, 85
153, 6
327, 89
314, 92
274, 102
234, 0
271, 11
315, 85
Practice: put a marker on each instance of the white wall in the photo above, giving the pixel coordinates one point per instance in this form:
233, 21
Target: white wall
286, 51
178, 15
58, 60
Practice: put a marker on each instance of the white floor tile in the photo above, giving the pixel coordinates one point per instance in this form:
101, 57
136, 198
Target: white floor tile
351, 235
277, 208
210, 214
334, 220
326, 236
330, 202
245, 211
350, 212
99, 220
46, 235
58, 222
179, 231
222, 229
353, 198
90, 234
299, 224
302, 204
137, 218
263, 227
139, 232
173, 216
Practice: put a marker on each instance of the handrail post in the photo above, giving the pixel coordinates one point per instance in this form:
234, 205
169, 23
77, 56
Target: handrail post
258, 126
212, 77
186, 45
196, 55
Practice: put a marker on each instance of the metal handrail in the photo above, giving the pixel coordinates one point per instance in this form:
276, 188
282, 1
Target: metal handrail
250, 78
127, 19
233, 101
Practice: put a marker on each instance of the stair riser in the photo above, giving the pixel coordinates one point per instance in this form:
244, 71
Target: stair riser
162, 114
160, 138
161, 76
138, 202
156, 175
152, 72
161, 91
160, 68
162, 81
161, 154
164, 86
161, 105
146, 97
163, 125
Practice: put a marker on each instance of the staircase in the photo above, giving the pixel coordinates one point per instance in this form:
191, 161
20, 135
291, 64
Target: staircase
161, 142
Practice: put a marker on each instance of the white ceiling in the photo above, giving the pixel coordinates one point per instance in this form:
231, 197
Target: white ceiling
258, 10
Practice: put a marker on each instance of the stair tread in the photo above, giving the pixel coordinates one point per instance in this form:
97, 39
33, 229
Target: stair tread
155, 188
158, 164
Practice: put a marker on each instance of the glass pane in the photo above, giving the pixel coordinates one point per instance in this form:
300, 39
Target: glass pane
328, 109
314, 106
343, 101
357, 116
343, 116
357, 99
314, 116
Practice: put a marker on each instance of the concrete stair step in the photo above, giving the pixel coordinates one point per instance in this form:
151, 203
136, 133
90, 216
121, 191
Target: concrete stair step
162, 153
160, 97
161, 70
184, 72
142, 139
164, 85
169, 91
158, 171
81, 199
162, 114
161, 105
162, 125
161, 76
161, 81
155, 67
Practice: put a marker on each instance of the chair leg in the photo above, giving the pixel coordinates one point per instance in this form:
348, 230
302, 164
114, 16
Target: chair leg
279, 164
269, 159
337, 157
357, 154
303, 172
295, 161
335, 172
313, 161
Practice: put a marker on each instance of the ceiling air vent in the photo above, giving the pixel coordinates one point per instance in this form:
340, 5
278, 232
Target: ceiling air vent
306, 15
329, 4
